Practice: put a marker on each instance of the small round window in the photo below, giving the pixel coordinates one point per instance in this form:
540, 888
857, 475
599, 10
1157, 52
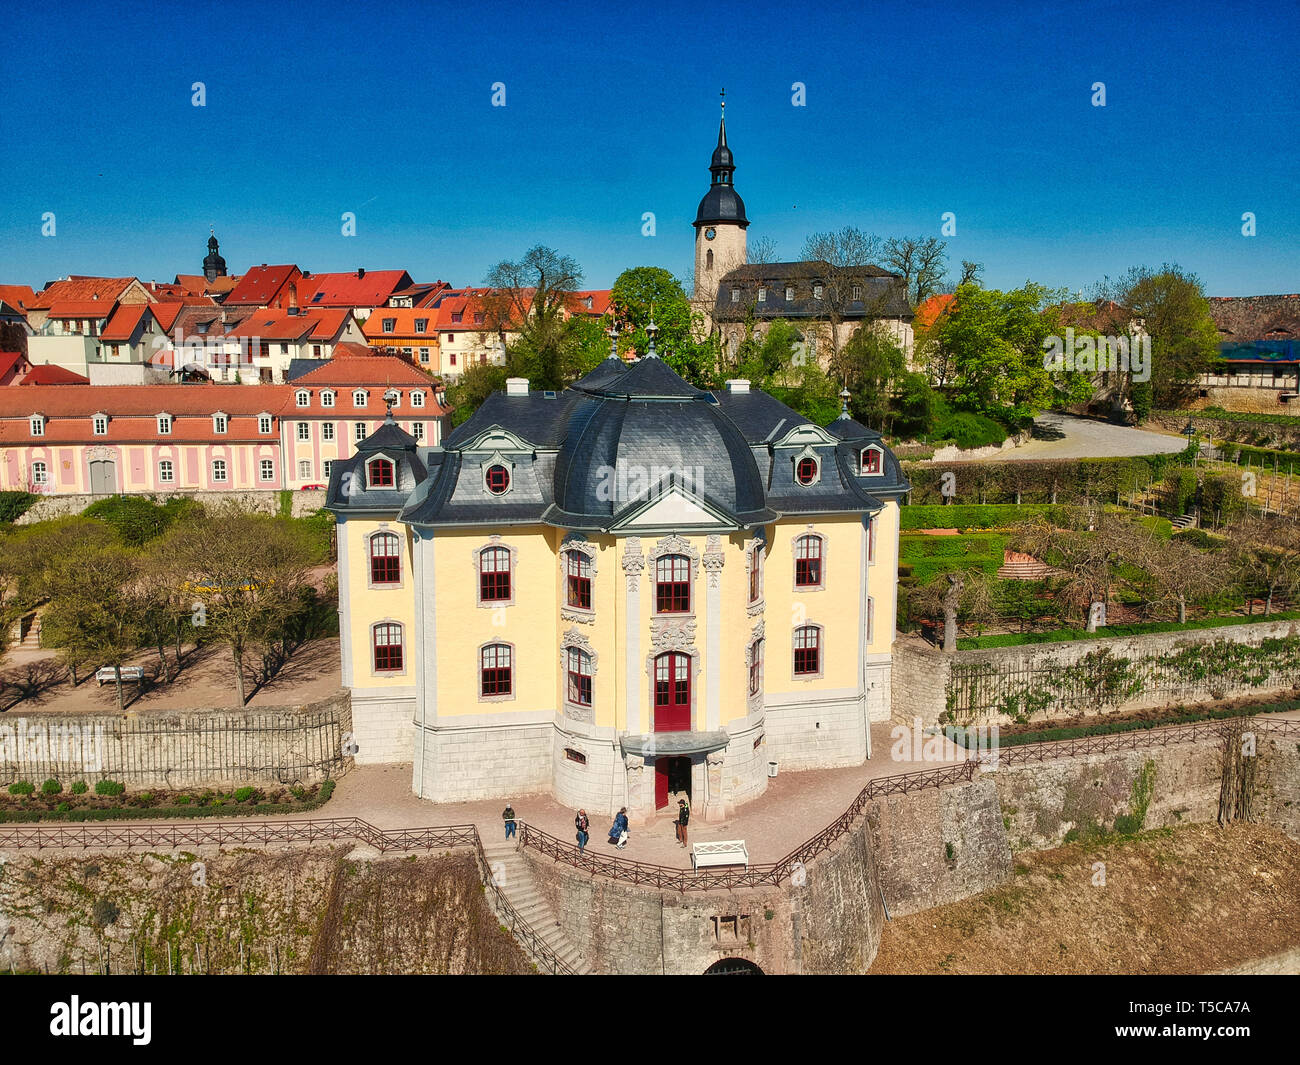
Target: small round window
498, 480
806, 471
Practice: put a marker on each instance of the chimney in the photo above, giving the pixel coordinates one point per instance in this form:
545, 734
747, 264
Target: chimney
738, 386
516, 386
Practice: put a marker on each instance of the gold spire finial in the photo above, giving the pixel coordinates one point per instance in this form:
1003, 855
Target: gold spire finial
723, 94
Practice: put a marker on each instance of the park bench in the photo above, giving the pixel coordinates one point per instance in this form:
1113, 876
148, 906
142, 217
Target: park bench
106, 674
719, 852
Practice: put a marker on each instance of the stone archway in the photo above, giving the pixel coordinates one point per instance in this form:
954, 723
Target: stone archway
733, 967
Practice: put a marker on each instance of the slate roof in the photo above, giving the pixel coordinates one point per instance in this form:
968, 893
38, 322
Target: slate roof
349, 490
733, 454
883, 293
1242, 318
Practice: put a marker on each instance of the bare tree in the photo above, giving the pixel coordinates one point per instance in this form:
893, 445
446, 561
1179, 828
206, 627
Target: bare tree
762, 250
845, 253
921, 261
1266, 553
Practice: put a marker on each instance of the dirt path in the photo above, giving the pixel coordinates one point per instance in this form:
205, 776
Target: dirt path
1188, 900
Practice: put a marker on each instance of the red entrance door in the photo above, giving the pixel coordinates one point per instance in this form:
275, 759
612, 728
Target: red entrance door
673, 692
661, 783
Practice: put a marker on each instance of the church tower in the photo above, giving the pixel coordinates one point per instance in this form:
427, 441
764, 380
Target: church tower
720, 225
214, 266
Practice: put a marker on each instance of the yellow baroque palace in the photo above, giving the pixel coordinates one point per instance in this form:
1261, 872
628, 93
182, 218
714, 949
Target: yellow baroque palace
618, 593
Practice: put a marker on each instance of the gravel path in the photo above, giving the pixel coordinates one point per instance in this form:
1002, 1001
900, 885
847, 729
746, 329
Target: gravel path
1084, 438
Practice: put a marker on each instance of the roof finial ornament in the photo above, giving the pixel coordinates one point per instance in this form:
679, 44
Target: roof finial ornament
650, 330
612, 333
845, 396
390, 397
723, 94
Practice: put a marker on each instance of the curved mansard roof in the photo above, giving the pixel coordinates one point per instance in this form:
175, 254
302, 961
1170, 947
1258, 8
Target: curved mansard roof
634, 447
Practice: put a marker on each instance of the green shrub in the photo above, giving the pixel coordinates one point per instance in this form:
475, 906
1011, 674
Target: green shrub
79, 788
244, 794
1015, 639
109, 787
979, 515
22, 787
63, 806
51, 787
136, 520
13, 505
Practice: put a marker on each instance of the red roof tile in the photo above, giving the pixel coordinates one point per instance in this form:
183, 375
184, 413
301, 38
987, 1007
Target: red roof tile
123, 323
52, 375
8, 359
348, 290
275, 323
109, 289
262, 284
19, 297
82, 308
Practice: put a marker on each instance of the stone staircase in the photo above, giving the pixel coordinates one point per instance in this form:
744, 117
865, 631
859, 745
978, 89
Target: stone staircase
1017, 566
1183, 521
516, 883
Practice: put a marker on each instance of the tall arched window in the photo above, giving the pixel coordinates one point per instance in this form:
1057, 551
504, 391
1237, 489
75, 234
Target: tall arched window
808, 562
755, 666
673, 585
708, 259
807, 650
388, 647
494, 574
496, 670
578, 581
380, 473
756, 573
579, 668
385, 559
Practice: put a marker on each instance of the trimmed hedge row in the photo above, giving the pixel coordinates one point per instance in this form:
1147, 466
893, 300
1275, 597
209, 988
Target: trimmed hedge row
135, 813
979, 515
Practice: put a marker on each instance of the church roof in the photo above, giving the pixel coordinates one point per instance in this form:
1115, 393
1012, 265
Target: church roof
722, 203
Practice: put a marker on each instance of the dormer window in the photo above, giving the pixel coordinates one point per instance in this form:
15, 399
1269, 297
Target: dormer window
421, 325
762, 295
417, 399
872, 461
99, 424
220, 423
478, 317
359, 397
817, 292
807, 470
164, 425
857, 292
457, 317
302, 398
735, 295
38, 424
390, 324
263, 423
498, 479
379, 473
789, 293
327, 399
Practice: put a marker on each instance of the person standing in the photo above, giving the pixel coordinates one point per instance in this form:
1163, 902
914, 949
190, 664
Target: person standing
683, 819
581, 823
508, 816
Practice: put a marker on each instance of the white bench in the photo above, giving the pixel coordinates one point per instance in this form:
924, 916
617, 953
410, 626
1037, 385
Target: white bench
107, 675
719, 852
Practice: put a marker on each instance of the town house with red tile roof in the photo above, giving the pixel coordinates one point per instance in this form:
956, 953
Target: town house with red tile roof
361, 291
333, 407
266, 286
261, 347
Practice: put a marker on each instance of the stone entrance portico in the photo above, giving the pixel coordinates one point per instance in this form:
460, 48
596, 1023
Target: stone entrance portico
707, 754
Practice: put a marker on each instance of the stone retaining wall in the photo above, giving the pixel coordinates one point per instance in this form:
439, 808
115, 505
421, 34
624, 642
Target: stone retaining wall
970, 686
255, 501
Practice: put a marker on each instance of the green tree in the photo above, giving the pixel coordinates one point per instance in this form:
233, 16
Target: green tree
871, 365
472, 388
1171, 307
641, 291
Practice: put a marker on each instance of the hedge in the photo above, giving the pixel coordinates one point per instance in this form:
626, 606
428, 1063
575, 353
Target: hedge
13, 505
135, 813
979, 515
1290, 421
1015, 639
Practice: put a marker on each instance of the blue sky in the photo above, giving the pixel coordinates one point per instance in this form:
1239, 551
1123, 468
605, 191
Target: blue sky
913, 109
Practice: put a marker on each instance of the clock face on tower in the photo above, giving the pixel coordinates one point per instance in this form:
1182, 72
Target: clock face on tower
710, 233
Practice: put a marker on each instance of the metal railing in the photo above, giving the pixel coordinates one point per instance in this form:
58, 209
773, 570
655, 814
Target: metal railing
771, 873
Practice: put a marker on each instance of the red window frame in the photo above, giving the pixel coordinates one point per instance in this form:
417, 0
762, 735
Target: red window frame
579, 666
387, 642
380, 473
805, 470
578, 581
497, 479
808, 561
870, 460
673, 585
494, 574
496, 670
385, 558
807, 650
755, 666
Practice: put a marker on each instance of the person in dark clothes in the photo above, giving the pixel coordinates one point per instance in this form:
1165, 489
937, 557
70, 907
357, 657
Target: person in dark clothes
508, 816
618, 830
581, 823
683, 819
